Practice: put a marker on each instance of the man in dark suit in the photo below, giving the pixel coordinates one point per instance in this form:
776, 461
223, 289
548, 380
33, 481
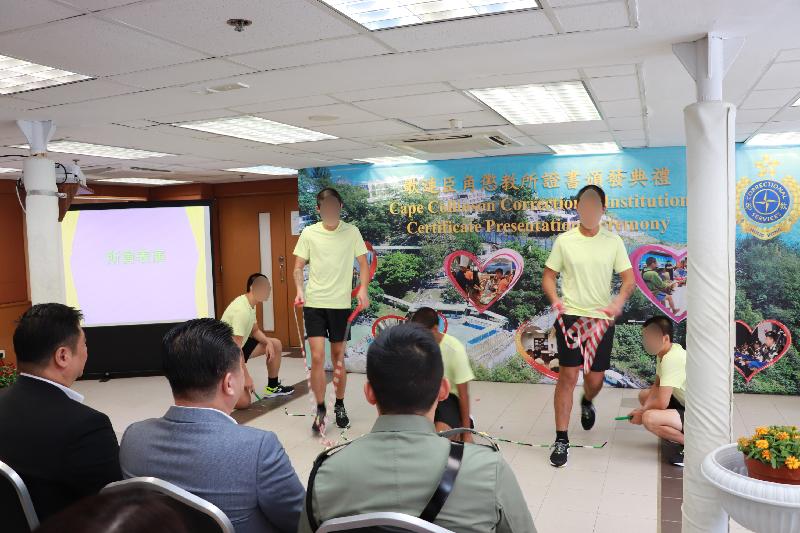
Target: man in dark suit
196, 445
62, 449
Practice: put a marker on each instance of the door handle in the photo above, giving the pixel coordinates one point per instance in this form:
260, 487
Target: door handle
282, 263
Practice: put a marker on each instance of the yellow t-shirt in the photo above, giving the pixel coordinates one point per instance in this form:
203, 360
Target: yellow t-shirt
671, 370
330, 257
457, 369
586, 265
240, 316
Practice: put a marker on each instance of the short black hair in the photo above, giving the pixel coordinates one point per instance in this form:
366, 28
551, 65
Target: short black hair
427, 316
197, 355
404, 368
650, 261
326, 192
253, 278
771, 335
663, 323
594, 188
42, 329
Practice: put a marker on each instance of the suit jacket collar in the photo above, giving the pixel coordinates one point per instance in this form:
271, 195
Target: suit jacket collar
30, 379
178, 413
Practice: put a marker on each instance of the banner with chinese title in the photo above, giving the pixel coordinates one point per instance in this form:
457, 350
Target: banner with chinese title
469, 237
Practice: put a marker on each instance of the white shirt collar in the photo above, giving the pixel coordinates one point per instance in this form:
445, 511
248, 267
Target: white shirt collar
208, 409
74, 395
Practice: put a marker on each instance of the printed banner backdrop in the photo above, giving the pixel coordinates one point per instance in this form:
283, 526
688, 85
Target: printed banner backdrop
469, 237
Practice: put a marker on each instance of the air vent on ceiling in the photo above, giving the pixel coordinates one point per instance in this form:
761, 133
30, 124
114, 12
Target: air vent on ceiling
443, 143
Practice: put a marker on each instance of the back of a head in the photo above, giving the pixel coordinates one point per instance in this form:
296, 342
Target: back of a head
661, 322
404, 369
197, 355
427, 316
42, 329
125, 511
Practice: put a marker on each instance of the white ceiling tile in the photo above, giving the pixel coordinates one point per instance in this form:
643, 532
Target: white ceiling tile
454, 155
625, 123
790, 113
183, 74
524, 78
625, 135
613, 70
421, 105
574, 138
782, 126
338, 113
585, 126
622, 108
564, 3
634, 143
772, 98
31, 12
469, 120
166, 118
615, 88
202, 23
754, 115
380, 128
391, 92
96, 5
781, 76
312, 53
517, 150
285, 103
747, 127
78, 92
504, 27
361, 153
593, 17
330, 145
792, 54
93, 47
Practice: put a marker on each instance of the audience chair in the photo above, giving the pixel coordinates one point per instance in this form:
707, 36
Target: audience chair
204, 516
16, 506
380, 522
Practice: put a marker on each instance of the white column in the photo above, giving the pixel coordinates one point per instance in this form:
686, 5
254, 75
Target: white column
45, 258
710, 176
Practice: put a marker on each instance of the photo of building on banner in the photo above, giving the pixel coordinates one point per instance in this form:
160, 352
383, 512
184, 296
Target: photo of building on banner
469, 238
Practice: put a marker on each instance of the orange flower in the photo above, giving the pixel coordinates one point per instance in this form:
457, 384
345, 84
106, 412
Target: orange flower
766, 455
744, 442
762, 444
782, 436
761, 431
792, 462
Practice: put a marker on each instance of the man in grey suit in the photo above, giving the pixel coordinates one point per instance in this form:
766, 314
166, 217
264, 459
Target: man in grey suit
197, 446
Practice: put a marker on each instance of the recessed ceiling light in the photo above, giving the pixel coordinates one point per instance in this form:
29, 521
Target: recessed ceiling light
382, 14
256, 129
543, 103
142, 181
264, 169
17, 75
774, 139
98, 150
8, 170
585, 148
392, 160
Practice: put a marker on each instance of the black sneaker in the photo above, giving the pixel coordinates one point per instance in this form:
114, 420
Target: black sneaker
587, 415
560, 453
341, 416
677, 458
278, 390
319, 421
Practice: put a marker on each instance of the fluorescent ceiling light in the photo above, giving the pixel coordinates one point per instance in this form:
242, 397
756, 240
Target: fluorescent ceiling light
543, 103
382, 14
774, 139
585, 148
18, 76
98, 150
257, 129
264, 169
7, 170
142, 181
392, 160
796, 103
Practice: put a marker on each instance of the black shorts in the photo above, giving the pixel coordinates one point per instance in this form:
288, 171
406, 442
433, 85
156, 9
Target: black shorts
675, 404
568, 357
248, 347
328, 323
448, 411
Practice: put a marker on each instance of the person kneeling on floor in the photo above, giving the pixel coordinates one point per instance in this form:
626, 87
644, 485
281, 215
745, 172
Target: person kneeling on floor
664, 403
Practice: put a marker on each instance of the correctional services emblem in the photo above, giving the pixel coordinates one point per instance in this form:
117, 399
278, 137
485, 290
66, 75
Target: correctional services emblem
768, 206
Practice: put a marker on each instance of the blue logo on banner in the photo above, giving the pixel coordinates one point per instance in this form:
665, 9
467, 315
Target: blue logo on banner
766, 201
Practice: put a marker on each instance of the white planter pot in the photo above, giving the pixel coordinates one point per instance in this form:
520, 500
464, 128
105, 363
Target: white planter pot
758, 505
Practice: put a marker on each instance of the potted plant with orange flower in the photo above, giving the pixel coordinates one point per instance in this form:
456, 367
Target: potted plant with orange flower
773, 454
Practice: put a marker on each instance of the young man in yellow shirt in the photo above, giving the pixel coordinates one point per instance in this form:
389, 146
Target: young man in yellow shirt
329, 247
585, 257
453, 411
240, 315
663, 404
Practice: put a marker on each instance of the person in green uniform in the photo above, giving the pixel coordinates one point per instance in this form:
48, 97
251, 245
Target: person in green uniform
661, 288
398, 465
452, 412
585, 257
329, 247
240, 315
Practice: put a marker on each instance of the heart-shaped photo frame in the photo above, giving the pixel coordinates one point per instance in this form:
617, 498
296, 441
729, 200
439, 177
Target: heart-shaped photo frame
372, 261
660, 273
385, 322
759, 348
538, 348
483, 282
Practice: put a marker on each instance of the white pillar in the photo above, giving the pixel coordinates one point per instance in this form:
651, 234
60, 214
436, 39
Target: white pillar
45, 258
710, 177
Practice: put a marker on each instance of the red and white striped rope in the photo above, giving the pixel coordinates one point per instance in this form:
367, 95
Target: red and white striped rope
585, 333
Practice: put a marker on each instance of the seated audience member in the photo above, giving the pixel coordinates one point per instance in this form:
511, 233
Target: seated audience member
453, 412
125, 511
197, 446
398, 465
664, 403
661, 288
62, 449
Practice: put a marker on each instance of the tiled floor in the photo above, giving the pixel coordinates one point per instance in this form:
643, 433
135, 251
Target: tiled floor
613, 489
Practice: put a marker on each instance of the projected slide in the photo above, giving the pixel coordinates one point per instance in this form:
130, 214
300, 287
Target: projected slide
138, 265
